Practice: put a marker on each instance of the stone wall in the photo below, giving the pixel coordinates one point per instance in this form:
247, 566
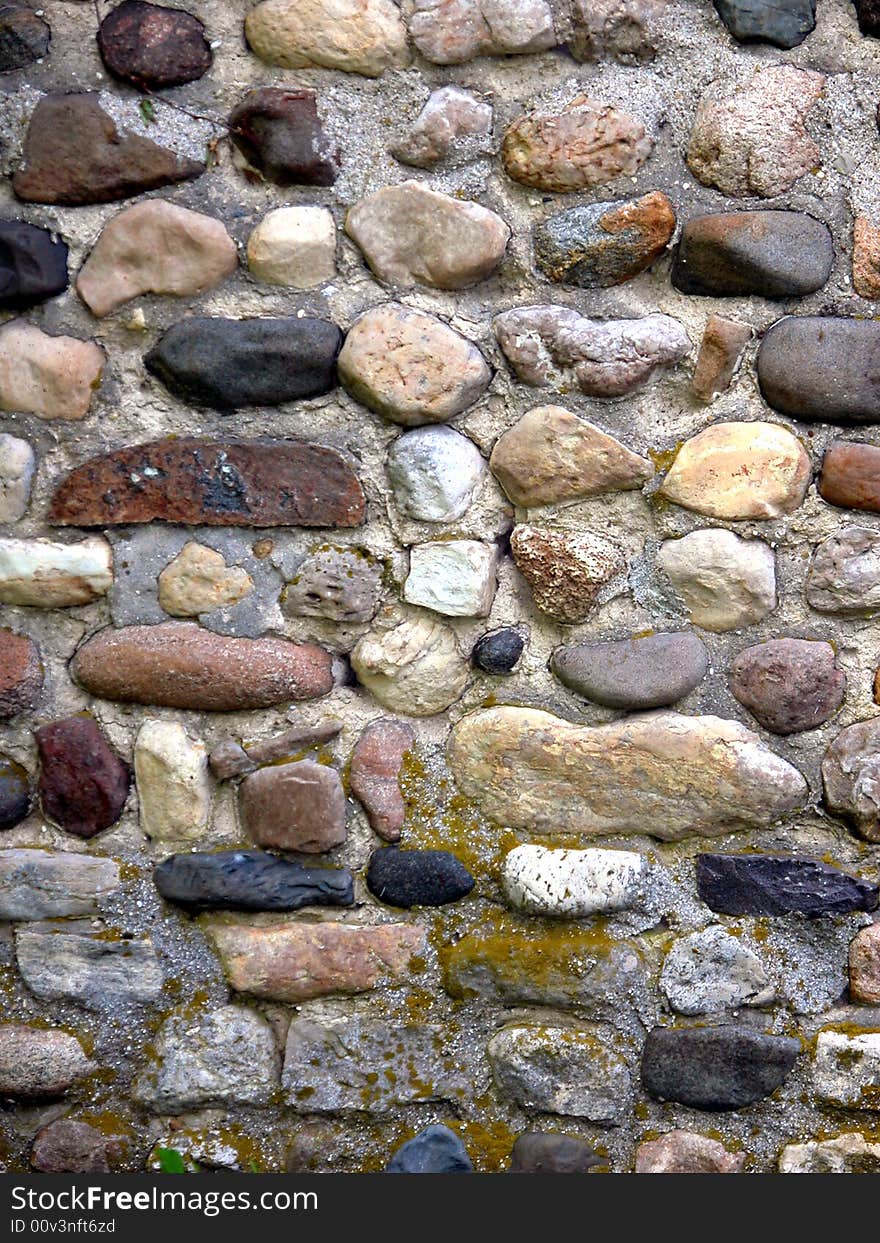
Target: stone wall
565, 570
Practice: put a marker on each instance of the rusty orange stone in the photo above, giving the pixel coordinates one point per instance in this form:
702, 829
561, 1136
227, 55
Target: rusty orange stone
21, 673
850, 476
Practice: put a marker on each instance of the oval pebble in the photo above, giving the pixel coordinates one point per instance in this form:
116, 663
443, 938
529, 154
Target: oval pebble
417, 877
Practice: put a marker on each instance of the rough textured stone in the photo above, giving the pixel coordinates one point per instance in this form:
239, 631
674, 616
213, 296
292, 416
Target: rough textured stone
248, 880
230, 363
819, 368
75, 153
556, 347
648, 672
866, 258
449, 32
71, 1147
684, 1152
551, 456
545, 1152
155, 247
24, 35
846, 1069
412, 235
153, 46
294, 247
715, 1067
218, 483
565, 573
724, 582
620, 29
851, 476
663, 774
48, 575
280, 134
298, 806
572, 884
602, 244
780, 885
453, 122
51, 377
864, 966
356, 36
198, 580
15, 796
774, 254
436, 1150
783, 24
844, 574
67, 961
174, 790
374, 774
720, 352
750, 140
408, 878
788, 685
33, 261
452, 577
83, 782
18, 463
341, 584
44, 884
410, 367
415, 667
216, 1058
21, 674
37, 1062
296, 962
179, 665
232, 759
562, 1070
849, 1153
498, 651
435, 473
851, 777
710, 971
584, 145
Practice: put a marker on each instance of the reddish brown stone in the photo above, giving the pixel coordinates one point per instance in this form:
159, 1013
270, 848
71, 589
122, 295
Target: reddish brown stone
180, 665
851, 476
219, 483
864, 966
152, 46
279, 132
299, 806
83, 782
21, 673
375, 774
684, 1152
75, 154
788, 685
720, 351
68, 1147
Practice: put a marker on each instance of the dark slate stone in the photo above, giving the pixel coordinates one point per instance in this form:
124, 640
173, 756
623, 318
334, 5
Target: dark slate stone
24, 36
230, 363
83, 782
823, 368
33, 265
868, 14
15, 793
436, 1150
151, 46
650, 672
715, 1067
417, 877
544, 1152
780, 885
498, 651
784, 23
774, 254
249, 880
279, 132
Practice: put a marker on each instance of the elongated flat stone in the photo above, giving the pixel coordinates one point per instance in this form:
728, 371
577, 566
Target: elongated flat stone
780, 885
650, 672
217, 483
851, 476
248, 880
355, 36
662, 774
83, 782
70, 961
180, 665
232, 759
774, 254
822, 368
43, 574
33, 264
408, 878
43, 884
715, 1067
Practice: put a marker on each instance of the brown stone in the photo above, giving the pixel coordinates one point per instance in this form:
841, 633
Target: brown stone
684, 1152
788, 685
299, 806
74, 153
36, 1063
598, 245
21, 674
279, 133
851, 476
565, 572
375, 774
153, 46
622, 29
83, 782
720, 351
232, 759
70, 1147
295, 962
866, 259
180, 665
864, 966
257, 483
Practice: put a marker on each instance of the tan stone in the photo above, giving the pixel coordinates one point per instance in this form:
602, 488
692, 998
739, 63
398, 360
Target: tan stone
684, 1152
415, 667
849, 1153
51, 377
356, 36
551, 456
864, 966
565, 572
173, 786
450, 32
296, 962
294, 246
866, 258
155, 247
198, 580
720, 351
49, 575
724, 582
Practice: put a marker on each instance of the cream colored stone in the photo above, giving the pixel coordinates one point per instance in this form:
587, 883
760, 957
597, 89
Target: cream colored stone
18, 463
51, 377
173, 786
198, 580
43, 574
294, 247
723, 581
414, 668
849, 1153
453, 577
357, 36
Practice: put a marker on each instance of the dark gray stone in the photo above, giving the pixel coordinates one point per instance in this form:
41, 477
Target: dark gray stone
15, 793
868, 14
279, 133
33, 265
249, 880
784, 23
780, 885
417, 877
24, 35
822, 368
649, 672
498, 651
774, 254
715, 1067
544, 1152
436, 1150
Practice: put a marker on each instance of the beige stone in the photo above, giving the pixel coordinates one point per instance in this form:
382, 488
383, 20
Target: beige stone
740, 470
849, 1153
47, 575
866, 258
414, 667
356, 36
565, 572
173, 785
723, 581
18, 463
864, 966
155, 247
720, 352
684, 1152
51, 377
294, 247
198, 580
450, 32
453, 122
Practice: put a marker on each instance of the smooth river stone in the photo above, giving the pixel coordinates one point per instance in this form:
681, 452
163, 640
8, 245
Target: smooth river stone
436, 1150
774, 254
355, 36
374, 774
851, 777
279, 133
715, 1067
51, 377
561, 1070
15, 795
648, 672
450, 32
294, 247
218, 483
783, 24
33, 264
408, 878
572, 884
850, 476
296, 806
83, 782
21, 674
38, 1062
822, 368
661, 774
539, 1152
788, 685
297, 962
780, 885
844, 574
46, 884
248, 880
180, 665
723, 581
566, 573
153, 46
230, 363
599, 245
435, 472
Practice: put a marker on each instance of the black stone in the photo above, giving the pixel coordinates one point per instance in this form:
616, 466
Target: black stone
249, 880
279, 133
784, 23
229, 363
822, 368
780, 885
773, 254
715, 1067
152, 46
868, 14
24, 36
544, 1152
417, 877
436, 1150
15, 793
498, 651
33, 265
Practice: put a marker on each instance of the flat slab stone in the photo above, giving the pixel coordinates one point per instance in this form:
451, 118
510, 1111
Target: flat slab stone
43, 884
84, 784
721, 351
715, 1067
298, 806
219, 483
561, 1070
851, 476
780, 885
774, 254
648, 672
33, 261
821, 368
247, 880
408, 878
72, 962
662, 774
